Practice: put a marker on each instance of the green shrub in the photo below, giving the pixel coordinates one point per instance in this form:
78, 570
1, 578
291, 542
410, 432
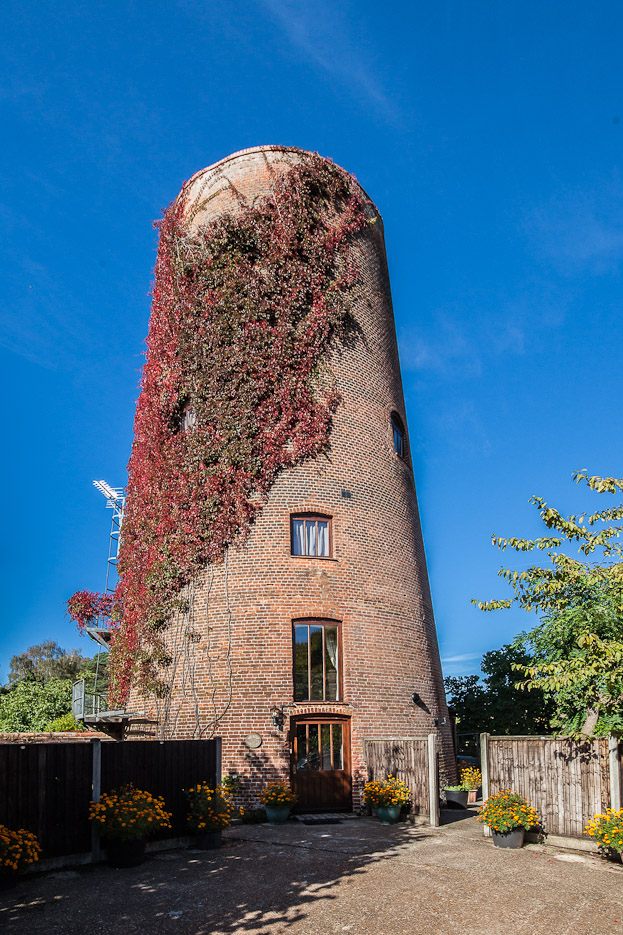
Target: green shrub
30, 705
65, 722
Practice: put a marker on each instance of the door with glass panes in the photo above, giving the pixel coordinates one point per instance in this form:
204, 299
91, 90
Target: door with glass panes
321, 774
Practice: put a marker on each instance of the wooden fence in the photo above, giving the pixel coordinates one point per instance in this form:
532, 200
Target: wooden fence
415, 762
47, 787
566, 781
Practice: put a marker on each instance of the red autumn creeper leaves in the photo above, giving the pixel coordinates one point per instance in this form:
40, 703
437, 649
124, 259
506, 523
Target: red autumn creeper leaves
235, 387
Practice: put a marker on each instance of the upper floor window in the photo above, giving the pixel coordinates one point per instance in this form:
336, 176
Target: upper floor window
311, 535
186, 418
316, 661
399, 435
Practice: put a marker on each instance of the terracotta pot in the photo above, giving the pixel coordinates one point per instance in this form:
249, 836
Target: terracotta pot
472, 796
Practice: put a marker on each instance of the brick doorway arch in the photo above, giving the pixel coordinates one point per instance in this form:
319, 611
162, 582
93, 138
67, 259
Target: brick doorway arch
320, 762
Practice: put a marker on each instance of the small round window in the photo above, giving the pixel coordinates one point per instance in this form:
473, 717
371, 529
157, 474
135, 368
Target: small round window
398, 430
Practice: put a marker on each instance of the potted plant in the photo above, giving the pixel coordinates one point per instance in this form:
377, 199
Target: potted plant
607, 829
18, 850
208, 814
125, 818
508, 815
388, 796
277, 800
456, 796
471, 779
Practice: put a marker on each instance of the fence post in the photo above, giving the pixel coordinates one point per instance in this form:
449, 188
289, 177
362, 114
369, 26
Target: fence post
96, 789
433, 781
484, 769
43, 818
218, 756
614, 762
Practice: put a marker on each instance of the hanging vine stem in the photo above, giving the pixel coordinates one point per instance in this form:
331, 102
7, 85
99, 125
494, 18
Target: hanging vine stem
169, 703
188, 665
228, 656
166, 692
217, 718
207, 651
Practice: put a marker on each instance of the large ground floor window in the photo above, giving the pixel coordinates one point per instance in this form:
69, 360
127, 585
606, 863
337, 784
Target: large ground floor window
316, 660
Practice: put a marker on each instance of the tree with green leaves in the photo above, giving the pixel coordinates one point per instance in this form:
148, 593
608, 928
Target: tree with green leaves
494, 703
577, 646
43, 662
95, 673
38, 696
32, 705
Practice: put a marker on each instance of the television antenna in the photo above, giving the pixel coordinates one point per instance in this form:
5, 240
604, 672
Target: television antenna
115, 501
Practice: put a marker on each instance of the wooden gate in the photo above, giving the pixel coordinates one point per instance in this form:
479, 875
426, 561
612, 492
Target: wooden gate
415, 762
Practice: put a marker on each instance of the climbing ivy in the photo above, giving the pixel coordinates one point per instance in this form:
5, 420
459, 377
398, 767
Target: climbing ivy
235, 386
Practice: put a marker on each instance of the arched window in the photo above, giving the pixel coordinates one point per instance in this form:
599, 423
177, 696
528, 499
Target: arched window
399, 435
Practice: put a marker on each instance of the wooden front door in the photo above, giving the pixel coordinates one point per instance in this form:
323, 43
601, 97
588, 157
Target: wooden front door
321, 774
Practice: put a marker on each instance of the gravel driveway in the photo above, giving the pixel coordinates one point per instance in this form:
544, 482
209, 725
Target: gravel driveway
358, 877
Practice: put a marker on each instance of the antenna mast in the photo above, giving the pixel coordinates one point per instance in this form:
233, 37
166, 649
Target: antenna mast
115, 501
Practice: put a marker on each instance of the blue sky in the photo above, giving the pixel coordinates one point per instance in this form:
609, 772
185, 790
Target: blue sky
490, 136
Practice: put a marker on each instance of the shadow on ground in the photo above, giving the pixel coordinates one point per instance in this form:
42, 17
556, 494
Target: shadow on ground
262, 880
449, 816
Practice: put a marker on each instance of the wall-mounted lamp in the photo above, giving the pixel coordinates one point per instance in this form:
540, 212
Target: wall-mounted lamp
415, 698
277, 716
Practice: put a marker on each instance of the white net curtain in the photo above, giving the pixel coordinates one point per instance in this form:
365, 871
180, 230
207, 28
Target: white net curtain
310, 537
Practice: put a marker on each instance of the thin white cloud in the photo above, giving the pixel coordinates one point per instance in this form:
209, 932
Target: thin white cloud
448, 349
580, 231
321, 33
462, 657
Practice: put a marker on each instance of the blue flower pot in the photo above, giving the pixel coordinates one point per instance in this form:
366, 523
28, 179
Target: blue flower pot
277, 814
388, 814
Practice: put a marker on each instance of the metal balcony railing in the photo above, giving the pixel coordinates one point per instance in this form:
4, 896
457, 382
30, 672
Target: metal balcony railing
92, 707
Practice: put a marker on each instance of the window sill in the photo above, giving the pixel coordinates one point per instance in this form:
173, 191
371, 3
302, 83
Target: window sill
315, 558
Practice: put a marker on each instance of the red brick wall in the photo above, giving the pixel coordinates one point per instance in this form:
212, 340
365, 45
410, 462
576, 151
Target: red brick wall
232, 653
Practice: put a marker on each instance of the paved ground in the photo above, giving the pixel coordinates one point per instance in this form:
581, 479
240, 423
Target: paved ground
358, 877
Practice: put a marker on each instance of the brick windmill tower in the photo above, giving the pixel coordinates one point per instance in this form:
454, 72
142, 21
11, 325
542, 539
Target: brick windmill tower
274, 578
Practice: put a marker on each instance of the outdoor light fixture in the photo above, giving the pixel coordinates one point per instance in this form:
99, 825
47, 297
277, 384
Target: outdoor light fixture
415, 698
277, 716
